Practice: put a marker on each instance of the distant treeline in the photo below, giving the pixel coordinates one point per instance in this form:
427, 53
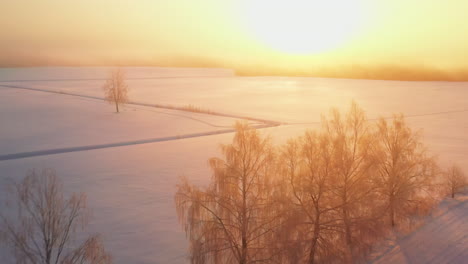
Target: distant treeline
350, 71
369, 72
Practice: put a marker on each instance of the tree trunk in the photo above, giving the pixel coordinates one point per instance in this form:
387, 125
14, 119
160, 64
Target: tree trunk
312, 251
313, 247
48, 256
392, 212
347, 226
243, 258
349, 242
117, 107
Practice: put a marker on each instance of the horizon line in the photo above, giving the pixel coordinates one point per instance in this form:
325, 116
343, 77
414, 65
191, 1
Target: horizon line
384, 72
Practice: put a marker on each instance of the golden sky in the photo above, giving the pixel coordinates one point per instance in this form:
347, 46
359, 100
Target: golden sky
289, 35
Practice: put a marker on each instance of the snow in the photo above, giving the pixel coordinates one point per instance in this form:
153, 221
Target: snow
287, 99
130, 186
442, 239
130, 192
36, 121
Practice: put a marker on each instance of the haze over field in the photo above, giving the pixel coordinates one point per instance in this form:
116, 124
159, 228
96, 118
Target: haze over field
390, 39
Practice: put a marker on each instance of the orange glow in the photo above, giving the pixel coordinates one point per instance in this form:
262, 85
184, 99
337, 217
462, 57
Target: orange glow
300, 37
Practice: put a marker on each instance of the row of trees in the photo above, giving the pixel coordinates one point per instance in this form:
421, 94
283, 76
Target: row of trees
324, 197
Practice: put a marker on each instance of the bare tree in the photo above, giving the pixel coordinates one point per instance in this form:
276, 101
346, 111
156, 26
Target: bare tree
289, 238
115, 88
232, 220
351, 139
307, 167
42, 225
405, 171
455, 180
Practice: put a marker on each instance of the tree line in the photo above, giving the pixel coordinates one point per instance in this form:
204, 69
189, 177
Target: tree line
327, 196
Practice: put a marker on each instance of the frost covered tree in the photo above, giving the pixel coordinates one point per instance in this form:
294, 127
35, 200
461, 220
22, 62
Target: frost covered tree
351, 137
116, 89
455, 180
307, 167
233, 219
405, 171
329, 172
325, 197
41, 225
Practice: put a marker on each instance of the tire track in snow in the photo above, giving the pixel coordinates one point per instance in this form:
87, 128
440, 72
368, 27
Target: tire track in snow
103, 79
118, 144
102, 99
265, 124
268, 122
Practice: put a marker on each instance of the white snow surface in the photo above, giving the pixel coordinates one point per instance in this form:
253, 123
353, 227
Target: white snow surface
130, 188
36, 121
443, 239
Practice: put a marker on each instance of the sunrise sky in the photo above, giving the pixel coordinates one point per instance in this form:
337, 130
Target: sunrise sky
290, 36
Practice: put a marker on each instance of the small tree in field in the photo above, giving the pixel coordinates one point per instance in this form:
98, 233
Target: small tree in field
455, 180
115, 88
41, 224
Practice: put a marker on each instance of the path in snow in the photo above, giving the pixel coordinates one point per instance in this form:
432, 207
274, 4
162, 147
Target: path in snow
264, 124
124, 141
113, 145
268, 122
104, 79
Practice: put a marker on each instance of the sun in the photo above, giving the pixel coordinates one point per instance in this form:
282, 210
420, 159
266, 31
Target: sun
303, 26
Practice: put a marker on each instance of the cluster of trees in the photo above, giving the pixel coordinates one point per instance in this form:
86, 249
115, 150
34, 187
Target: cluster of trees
324, 197
40, 225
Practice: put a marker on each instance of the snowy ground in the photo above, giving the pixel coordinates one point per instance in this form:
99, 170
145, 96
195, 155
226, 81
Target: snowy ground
35, 121
443, 239
130, 187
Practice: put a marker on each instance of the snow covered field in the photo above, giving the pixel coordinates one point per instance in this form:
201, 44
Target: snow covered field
130, 187
37, 121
